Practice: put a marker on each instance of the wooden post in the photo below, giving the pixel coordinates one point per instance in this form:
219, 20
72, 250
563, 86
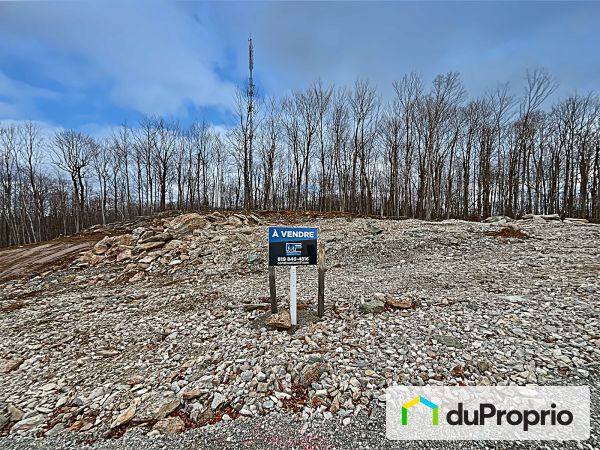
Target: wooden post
321, 289
272, 289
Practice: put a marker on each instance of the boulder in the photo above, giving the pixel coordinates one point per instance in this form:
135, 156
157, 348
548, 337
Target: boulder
312, 374
15, 413
126, 240
125, 254
395, 302
159, 405
281, 320
217, 401
493, 219
95, 260
192, 394
373, 306
170, 425
254, 259
10, 364
148, 246
575, 220
29, 423
124, 417
175, 244
137, 277
448, 341
102, 246
235, 221
160, 237
187, 223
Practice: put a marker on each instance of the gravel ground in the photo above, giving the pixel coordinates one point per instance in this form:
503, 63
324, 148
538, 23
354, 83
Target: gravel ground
173, 336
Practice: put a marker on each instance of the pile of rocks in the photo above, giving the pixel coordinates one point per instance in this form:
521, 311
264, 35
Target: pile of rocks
165, 244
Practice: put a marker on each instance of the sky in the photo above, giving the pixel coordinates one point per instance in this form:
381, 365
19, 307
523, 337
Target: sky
93, 65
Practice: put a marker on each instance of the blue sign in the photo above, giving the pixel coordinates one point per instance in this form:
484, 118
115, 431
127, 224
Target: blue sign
292, 246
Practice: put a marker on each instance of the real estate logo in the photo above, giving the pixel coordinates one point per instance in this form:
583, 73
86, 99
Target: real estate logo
293, 248
488, 413
420, 399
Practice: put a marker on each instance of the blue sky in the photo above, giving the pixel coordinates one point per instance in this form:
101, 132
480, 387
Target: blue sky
92, 65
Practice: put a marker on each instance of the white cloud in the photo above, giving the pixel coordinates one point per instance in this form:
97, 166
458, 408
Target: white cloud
19, 97
155, 58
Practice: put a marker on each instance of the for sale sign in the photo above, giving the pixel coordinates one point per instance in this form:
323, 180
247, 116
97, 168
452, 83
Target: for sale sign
292, 246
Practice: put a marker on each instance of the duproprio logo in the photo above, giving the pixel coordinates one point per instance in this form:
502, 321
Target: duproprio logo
461, 416
503, 413
420, 399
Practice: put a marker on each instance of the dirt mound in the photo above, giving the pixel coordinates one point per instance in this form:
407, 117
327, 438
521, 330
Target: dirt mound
508, 232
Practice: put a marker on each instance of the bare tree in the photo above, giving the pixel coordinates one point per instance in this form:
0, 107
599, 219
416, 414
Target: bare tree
73, 153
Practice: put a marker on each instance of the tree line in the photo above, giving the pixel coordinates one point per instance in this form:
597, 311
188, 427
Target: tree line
430, 152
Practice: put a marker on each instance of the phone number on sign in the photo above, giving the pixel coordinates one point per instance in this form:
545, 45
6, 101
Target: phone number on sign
299, 259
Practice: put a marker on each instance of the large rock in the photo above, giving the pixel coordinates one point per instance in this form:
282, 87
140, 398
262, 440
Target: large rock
281, 320
126, 240
29, 424
541, 218
124, 417
312, 374
395, 302
170, 425
254, 259
103, 245
449, 341
235, 220
159, 405
125, 254
373, 306
187, 223
15, 413
503, 219
192, 394
146, 246
138, 276
10, 364
160, 237
217, 401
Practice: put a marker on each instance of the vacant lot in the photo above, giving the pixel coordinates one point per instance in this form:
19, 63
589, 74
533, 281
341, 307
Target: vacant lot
136, 339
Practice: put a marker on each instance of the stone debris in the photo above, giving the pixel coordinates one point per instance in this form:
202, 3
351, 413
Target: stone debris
373, 306
167, 325
281, 320
166, 243
11, 364
124, 417
404, 302
170, 425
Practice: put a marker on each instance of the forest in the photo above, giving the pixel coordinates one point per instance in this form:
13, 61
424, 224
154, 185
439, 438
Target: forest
429, 152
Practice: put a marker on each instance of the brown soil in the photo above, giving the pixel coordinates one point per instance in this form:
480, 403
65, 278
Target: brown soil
508, 232
35, 259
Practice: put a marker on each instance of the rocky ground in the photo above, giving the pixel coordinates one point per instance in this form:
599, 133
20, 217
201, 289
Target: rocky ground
164, 334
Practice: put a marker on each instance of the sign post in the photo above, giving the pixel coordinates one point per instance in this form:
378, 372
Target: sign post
293, 307
292, 247
321, 287
272, 290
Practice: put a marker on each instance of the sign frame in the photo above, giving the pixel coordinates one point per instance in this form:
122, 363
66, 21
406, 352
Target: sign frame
293, 246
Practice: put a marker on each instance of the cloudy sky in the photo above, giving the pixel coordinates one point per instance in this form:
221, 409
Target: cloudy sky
90, 65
